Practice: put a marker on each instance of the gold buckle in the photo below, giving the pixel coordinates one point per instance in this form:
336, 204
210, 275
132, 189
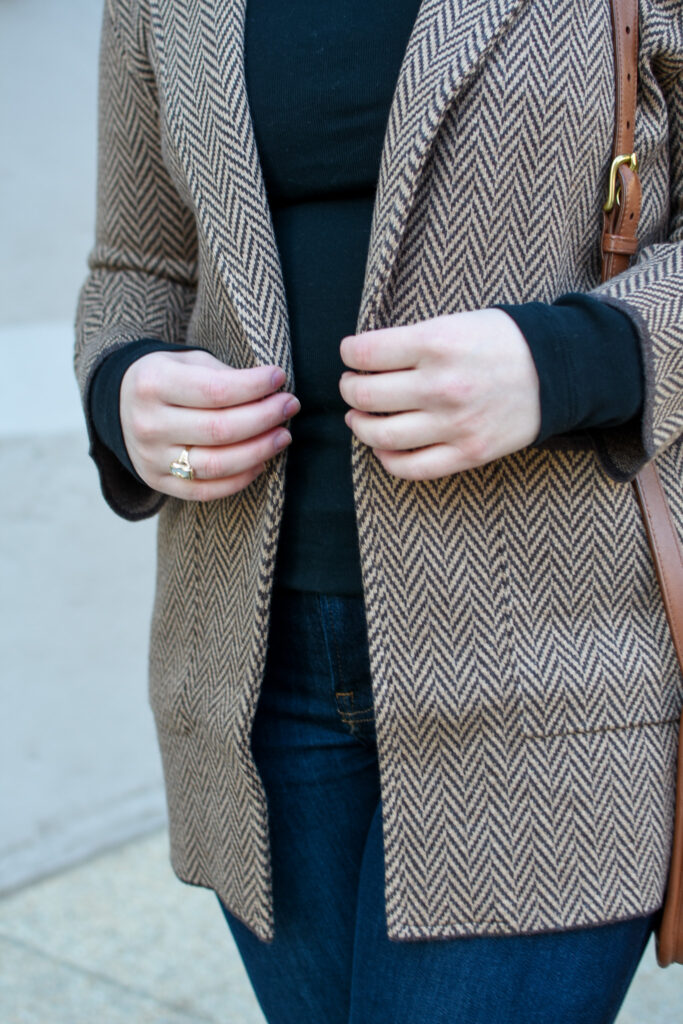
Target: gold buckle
613, 195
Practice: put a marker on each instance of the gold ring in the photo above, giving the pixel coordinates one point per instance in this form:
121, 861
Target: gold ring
181, 467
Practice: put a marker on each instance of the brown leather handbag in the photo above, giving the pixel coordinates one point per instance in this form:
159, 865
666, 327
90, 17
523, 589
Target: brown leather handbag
619, 243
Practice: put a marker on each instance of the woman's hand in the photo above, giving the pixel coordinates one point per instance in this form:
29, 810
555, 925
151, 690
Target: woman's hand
462, 388
229, 418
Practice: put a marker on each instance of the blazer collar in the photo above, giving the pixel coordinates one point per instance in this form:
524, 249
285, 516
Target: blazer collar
200, 51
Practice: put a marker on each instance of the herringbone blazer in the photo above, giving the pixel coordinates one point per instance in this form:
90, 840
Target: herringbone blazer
525, 686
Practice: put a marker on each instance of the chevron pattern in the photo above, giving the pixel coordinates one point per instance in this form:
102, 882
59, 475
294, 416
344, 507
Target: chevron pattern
526, 690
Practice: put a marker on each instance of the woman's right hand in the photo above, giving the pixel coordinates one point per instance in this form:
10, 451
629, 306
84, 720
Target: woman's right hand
230, 419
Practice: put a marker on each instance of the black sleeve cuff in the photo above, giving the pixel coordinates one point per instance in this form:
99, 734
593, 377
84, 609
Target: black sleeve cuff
588, 360
105, 392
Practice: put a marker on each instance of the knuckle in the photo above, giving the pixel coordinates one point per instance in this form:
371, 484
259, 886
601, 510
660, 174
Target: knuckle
452, 389
142, 425
436, 342
387, 436
363, 394
475, 449
214, 389
219, 430
145, 383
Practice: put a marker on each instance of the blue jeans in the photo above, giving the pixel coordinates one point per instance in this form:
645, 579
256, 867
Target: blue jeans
331, 961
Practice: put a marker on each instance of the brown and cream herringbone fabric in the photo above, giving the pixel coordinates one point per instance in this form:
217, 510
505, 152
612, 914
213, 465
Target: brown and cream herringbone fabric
526, 689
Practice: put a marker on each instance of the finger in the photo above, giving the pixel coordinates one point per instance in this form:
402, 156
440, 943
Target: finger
400, 432
429, 463
206, 382
225, 426
217, 463
208, 490
383, 392
389, 348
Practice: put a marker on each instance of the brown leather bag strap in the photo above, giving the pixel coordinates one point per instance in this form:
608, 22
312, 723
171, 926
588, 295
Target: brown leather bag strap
619, 242
668, 560
625, 31
666, 549
622, 210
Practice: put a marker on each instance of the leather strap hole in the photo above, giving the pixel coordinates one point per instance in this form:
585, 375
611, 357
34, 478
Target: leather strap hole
628, 30
628, 124
631, 217
628, 77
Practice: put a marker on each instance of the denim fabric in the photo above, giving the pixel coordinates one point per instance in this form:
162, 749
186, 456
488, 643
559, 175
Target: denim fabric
331, 961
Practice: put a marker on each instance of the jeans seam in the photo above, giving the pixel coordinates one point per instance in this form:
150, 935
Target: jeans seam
350, 717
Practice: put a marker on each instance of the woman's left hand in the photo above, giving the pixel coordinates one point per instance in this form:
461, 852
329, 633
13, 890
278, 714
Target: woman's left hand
462, 388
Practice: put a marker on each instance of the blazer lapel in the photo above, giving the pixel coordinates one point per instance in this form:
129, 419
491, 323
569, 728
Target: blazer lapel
200, 45
449, 40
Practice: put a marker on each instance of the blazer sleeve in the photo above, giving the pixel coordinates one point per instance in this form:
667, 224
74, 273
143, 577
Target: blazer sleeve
143, 266
651, 290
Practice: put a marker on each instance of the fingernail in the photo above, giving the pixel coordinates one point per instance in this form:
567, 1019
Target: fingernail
278, 378
282, 439
292, 406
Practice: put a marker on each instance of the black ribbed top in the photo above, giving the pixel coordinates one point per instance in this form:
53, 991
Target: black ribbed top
320, 79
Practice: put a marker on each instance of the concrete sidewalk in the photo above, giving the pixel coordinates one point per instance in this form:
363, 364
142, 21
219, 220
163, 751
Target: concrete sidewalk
119, 940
